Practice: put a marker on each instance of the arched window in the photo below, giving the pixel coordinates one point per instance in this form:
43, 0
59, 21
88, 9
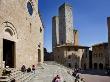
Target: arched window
9, 31
29, 7
69, 57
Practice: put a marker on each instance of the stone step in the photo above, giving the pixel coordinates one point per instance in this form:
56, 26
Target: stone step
20, 76
4, 79
28, 79
25, 77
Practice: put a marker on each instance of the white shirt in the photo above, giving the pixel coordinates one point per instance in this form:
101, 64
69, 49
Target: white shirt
57, 80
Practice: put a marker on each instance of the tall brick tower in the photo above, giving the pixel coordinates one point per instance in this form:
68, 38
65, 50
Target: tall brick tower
66, 24
55, 31
108, 22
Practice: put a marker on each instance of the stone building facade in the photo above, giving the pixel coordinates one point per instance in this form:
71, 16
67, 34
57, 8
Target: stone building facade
72, 56
100, 56
21, 33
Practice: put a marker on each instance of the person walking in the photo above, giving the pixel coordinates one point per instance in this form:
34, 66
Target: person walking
77, 78
56, 79
33, 68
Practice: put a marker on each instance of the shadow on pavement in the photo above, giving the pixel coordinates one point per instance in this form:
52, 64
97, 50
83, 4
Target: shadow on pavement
94, 72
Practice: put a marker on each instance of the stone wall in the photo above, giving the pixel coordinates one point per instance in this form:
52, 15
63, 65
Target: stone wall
27, 31
71, 55
99, 55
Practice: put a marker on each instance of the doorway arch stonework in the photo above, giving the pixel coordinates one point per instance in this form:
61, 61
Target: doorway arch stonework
7, 32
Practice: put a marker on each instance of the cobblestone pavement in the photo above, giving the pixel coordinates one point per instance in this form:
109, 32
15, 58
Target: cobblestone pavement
95, 77
50, 71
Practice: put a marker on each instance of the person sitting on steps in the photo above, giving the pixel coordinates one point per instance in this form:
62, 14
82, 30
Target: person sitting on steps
23, 68
33, 68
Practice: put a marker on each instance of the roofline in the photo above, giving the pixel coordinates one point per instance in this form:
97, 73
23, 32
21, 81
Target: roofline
41, 18
77, 46
65, 4
100, 44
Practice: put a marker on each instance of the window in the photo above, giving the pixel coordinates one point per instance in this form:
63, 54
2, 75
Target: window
69, 57
86, 52
9, 31
95, 55
76, 49
40, 29
29, 7
30, 27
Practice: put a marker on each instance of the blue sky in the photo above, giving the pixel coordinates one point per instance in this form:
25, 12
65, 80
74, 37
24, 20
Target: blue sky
90, 19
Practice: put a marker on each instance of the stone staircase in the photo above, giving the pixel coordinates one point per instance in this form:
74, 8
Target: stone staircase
51, 69
44, 73
18, 76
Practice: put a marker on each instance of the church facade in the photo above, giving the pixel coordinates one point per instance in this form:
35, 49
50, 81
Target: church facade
21, 33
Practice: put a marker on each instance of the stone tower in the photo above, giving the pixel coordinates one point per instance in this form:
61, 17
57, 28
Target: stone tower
75, 33
55, 31
66, 24
108, 22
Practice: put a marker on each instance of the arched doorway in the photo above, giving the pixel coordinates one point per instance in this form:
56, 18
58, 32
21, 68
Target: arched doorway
9, 35
76, 65
69, 65
95, 65
9, 53
101, 66
39, 55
